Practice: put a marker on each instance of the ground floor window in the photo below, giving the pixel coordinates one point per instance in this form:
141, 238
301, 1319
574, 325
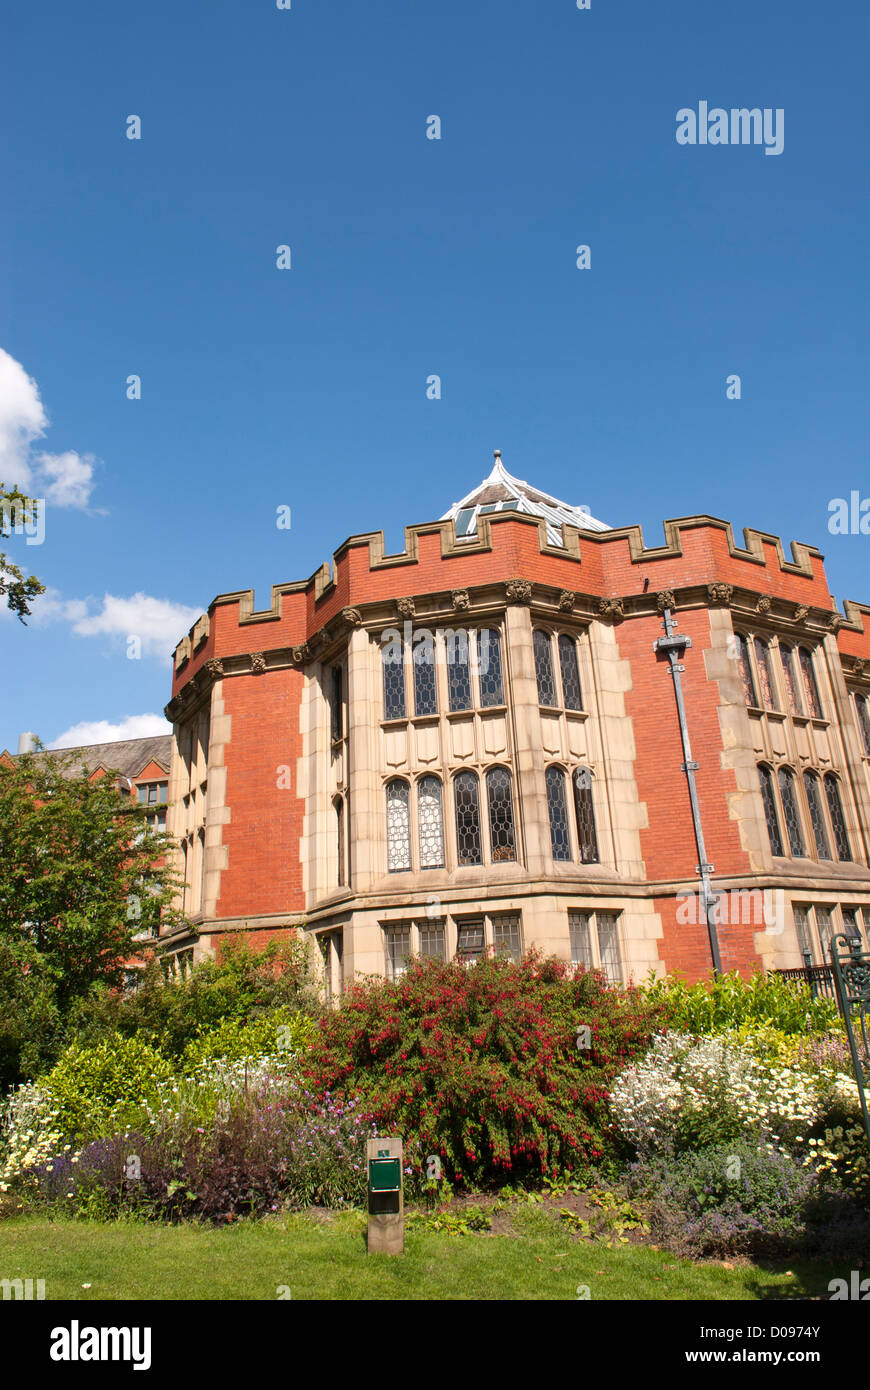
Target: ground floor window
467, 938
595, 943
816, 924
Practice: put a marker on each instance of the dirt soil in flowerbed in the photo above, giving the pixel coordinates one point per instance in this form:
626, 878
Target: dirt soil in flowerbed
579, 1203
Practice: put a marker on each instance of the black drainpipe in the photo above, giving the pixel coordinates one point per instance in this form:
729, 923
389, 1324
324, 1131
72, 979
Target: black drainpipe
674, 644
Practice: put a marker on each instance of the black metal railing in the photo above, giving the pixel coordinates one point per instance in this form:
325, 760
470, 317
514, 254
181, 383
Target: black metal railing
820, 979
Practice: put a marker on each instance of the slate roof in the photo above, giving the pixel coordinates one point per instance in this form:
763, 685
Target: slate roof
128, 755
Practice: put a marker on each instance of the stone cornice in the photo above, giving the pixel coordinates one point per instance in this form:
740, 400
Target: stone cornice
477, 604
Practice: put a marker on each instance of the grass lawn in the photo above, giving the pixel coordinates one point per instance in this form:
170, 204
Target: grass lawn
326, 1259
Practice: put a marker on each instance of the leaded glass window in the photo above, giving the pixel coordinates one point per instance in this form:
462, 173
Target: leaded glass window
838, 822
811, 690
771, 815
572, 697
608, 946
423, 661
489, 668
430, 823
585, 813
458, 670
790, 811
544, 668
802, 928
470, 939
863, 720
581, 941
398, 948
393, 661
465, 795
398, 826
501, 815
825, 925
560, 837
432, 940
506, 934
764, 678
339, 838
335, 704
851, 924
786, 656
817, 816
746, 676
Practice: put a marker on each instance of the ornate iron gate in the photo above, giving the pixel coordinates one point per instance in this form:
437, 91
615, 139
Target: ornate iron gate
851, 968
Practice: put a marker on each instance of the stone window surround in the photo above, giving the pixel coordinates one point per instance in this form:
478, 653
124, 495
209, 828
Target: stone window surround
805, 819
451, 924
810, 905
494, 623
555, 631
448, 818
752, 633
593, 913
568, 772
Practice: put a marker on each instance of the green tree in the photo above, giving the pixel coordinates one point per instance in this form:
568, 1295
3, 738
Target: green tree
15, 509
82, 875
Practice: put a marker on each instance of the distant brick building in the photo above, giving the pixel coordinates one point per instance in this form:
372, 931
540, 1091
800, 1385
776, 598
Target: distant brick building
478, 742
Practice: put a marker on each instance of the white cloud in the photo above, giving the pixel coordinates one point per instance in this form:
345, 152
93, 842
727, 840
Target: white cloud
67, 479
102, 731
64, 479
22, 420
159, 623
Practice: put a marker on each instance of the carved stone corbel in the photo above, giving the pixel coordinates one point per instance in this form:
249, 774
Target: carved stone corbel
566, 600
406, 607
461, 600
258, 663
720, 593
518, 591
800, 613
763, 604
612, 608
352, 616
665, 599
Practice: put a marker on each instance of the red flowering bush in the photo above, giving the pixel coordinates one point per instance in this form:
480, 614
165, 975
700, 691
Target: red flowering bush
491, 1066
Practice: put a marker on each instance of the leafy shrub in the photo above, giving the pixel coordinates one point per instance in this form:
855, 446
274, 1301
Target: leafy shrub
272, 1033
728, 1001
733, 1198
243, 985
265, 1146
92, 1088
480, 1065
687, 1093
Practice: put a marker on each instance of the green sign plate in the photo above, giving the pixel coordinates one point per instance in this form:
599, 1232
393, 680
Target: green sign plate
385, 1175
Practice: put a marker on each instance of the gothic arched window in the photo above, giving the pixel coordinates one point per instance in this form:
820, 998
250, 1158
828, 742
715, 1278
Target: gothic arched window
771, 815
423, 661
585, 813
746, 676
544, 668
560, 837
458, 670
489, 668
811, 689
430, 823
838, 821
501, 815
765, 679
465, 796
572, 696
792, 691
398, 826
790, 810
817, 815
863, 720
393, 662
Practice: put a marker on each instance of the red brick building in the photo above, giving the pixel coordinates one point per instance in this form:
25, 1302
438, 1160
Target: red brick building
482, 741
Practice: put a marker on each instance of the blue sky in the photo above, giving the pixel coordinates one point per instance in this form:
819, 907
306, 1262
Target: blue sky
410, 257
